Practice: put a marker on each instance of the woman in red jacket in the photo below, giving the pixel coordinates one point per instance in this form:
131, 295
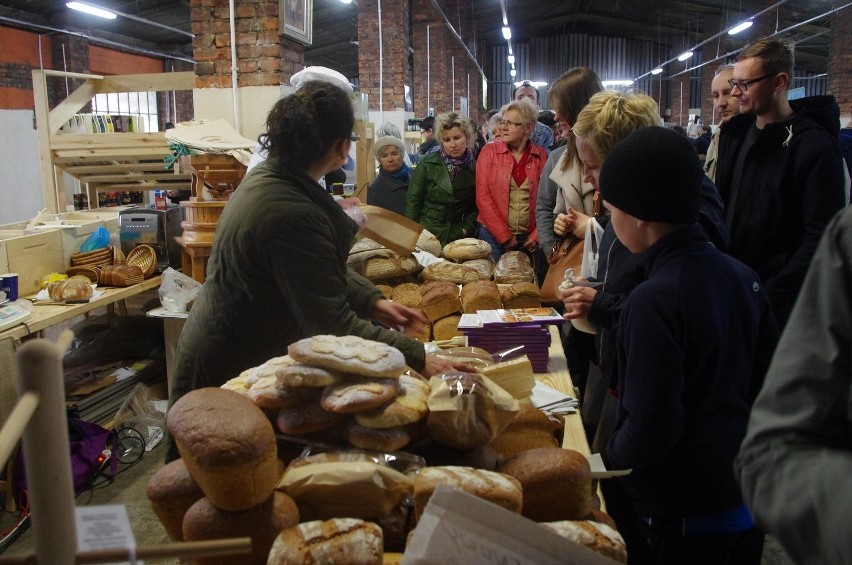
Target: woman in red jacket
507, 175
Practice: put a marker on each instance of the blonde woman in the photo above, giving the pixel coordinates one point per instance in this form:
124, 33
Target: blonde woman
441, 193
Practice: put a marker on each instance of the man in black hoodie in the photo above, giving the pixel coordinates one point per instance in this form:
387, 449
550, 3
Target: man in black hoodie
779, 171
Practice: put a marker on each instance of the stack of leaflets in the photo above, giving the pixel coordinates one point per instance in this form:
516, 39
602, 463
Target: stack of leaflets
522, 330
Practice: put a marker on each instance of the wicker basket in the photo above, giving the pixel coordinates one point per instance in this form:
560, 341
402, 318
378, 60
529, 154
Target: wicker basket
144, 257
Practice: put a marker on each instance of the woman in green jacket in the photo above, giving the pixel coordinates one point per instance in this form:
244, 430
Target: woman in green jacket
442, 191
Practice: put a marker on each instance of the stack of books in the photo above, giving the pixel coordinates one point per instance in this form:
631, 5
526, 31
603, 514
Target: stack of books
511, 333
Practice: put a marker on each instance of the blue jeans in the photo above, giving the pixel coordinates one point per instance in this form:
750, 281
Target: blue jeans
498, 250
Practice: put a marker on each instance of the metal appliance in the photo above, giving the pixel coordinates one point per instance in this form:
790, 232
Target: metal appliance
157, 228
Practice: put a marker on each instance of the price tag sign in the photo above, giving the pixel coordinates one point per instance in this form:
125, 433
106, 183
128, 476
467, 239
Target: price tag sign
104, 527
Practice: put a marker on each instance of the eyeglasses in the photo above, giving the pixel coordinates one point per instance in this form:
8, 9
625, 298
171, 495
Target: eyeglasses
507, 123
744, 84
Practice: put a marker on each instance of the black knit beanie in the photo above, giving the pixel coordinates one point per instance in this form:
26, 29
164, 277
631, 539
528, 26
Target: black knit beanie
654, 174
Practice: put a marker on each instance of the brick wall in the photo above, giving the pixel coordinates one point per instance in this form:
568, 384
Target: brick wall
20, 51
264, 58
395, 62
840, 63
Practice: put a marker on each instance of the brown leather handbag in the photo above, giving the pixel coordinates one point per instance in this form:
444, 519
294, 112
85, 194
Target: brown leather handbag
567, 253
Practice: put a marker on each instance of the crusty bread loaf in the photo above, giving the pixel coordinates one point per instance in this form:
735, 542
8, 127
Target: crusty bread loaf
429, 243
358, 394
480, 295
349, 354
557, 483
446, 328
601, 517
440, 299
69, 289
513, 267
407, 294
408, 406
305, 418
384, 439
339, 540
498, 488
522, 295
228, 446
266, 393
485, 267
449, 271
529, 429
262, 524
171, 491
596, 536
466, 249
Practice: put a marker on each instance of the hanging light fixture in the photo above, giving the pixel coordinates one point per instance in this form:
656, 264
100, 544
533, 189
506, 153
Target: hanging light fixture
684, 56
511, 59
513, 72
507, 32
92, 10
657, 71
740, 27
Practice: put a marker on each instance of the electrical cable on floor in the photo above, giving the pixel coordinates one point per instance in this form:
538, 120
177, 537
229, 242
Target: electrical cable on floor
10, 534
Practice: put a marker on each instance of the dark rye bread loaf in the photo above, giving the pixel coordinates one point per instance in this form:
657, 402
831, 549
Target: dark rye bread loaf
228, 446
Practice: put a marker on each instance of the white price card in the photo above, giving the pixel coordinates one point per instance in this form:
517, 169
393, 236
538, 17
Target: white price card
105, 527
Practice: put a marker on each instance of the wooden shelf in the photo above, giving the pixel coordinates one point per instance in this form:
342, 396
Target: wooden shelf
103, 162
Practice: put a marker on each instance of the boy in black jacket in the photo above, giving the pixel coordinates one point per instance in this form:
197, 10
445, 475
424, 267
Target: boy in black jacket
694, 340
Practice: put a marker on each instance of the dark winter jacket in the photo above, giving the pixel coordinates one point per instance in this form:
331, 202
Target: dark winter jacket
691, 339
388, 192
792, 185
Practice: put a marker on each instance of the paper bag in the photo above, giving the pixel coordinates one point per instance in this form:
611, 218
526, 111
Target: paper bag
457, 527
392, 230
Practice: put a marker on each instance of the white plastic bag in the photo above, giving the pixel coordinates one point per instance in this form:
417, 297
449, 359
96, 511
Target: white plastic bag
594, 232
177, 290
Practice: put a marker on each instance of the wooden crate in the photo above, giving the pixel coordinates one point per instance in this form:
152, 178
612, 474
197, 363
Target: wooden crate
32, 256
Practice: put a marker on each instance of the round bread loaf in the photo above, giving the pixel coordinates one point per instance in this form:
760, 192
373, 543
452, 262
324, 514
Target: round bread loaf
305, 418
358, 394
339, 540
596, 536
228, 446
262, 524
485, 267
266, 393
408, 406
529, 429
466, 249
498, 488
429, 243
299, 374
557, 483
513, 267
384, 439
349, 354
171, 492
522, 295
69, 289
407, 294
449, 271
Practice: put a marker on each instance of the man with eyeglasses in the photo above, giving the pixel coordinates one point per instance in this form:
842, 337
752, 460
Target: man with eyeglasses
542, 134
779, 171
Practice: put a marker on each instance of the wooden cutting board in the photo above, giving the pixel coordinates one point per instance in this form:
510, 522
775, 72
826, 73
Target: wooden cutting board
392, 230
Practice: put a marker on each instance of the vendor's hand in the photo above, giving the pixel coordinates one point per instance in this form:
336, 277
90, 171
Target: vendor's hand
530, 245
350, 202
578, 301
397, 316
436, 365
563, 224
580, 222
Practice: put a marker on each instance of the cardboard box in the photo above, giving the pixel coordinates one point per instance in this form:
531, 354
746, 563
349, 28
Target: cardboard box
32, 256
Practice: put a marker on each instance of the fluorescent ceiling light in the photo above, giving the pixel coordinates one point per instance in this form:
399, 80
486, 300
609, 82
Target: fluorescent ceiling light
624, 82
513, 72
93, 10
505, 21
510, 49
684, 56
657, 71
740, 27
507, 32
511, 59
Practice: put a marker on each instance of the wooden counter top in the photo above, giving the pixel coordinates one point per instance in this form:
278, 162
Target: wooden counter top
46, 315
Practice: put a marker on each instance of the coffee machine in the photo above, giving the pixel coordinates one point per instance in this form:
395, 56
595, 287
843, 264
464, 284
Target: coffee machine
157, 228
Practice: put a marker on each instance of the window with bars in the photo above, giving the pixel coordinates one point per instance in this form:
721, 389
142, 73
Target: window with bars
140, 104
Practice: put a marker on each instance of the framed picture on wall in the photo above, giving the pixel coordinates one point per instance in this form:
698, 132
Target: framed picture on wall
295, 19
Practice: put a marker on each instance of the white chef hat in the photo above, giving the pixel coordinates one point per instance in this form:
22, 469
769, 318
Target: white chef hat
323, 74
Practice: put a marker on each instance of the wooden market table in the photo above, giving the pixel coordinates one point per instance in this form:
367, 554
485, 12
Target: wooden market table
46, 316
557, 377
